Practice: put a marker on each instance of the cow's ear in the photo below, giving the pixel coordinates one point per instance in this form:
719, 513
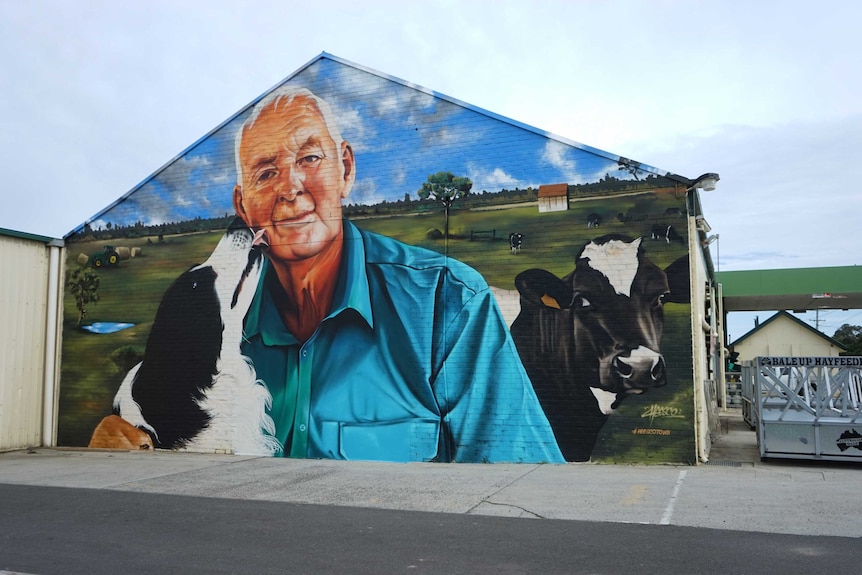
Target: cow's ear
543, 288
678, 281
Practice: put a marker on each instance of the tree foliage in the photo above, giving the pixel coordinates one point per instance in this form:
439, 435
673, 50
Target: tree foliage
83, 284
851, 337
445, 187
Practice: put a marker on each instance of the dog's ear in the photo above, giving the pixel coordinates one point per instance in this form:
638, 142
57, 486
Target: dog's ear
237, 224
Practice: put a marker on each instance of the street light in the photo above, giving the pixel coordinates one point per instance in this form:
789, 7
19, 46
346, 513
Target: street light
707, 182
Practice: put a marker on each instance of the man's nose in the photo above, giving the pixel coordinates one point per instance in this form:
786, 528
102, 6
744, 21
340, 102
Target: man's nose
290, 184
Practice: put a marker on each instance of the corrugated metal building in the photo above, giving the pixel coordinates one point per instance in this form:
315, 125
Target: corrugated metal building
31, 284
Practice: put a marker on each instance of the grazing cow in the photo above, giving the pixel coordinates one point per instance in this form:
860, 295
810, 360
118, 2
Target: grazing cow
515, 241
623, 218
594, 220
593, 337
665, 232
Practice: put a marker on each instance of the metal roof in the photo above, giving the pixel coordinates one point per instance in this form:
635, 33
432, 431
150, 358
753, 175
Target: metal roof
792, 289
32, 237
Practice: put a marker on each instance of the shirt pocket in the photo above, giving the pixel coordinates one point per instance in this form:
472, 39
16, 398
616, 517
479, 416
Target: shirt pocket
401, 441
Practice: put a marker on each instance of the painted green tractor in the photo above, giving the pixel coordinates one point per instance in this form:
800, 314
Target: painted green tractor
108, 257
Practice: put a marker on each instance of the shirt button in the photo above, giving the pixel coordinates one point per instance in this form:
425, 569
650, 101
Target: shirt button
302, 427
305, 353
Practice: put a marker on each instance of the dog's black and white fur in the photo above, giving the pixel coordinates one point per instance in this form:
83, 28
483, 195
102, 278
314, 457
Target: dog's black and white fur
194, 390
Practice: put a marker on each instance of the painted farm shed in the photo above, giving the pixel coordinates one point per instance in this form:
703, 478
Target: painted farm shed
553, 197
323, 274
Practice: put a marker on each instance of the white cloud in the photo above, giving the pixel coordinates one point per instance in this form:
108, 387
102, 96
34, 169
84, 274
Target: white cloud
787, 196
557, 154
492, 181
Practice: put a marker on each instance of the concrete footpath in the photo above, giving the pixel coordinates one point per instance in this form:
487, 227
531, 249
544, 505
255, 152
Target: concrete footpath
734, 491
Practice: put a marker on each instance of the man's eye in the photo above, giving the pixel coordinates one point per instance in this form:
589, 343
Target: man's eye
265, 176
309, 161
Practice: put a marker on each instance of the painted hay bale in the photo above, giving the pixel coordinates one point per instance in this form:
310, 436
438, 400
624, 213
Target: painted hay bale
123, 252
83, 259
135, 252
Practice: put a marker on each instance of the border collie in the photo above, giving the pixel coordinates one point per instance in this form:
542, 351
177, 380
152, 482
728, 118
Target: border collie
194, 390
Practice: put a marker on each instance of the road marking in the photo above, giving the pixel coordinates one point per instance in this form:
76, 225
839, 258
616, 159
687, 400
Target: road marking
668, 512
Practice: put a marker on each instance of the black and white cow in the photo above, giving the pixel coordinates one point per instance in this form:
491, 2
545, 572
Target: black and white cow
594, 220
665, 232
593, 337
515, 241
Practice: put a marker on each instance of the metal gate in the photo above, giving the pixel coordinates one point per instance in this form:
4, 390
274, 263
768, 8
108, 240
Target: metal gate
807, 407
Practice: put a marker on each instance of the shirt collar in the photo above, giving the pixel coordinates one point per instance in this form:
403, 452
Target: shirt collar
351, 292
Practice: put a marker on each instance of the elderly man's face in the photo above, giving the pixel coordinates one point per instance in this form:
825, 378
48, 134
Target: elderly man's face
294, 176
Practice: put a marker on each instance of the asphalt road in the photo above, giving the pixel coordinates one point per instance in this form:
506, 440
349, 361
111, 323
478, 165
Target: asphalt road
59, 530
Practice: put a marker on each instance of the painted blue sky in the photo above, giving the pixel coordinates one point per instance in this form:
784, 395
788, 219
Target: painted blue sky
400, 134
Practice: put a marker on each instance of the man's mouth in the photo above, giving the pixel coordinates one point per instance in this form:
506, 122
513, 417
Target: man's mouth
303, 218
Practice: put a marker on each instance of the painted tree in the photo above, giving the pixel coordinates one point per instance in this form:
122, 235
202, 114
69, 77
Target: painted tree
445, 187
83, 284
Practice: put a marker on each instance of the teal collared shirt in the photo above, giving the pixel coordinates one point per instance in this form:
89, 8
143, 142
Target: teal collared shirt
413, 363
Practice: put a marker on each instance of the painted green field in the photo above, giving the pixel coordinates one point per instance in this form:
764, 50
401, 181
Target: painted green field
551, 240
93, 365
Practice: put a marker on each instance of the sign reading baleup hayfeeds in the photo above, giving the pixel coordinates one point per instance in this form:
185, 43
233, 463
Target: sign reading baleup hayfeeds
811, 361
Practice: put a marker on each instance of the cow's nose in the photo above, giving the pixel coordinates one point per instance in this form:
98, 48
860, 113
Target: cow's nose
641, 368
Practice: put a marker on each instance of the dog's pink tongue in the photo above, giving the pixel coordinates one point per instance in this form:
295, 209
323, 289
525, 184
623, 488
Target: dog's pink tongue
260, 238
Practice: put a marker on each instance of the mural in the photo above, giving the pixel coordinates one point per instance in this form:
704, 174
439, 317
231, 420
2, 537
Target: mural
334, 273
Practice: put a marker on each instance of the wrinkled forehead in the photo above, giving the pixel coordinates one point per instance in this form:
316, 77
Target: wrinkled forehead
280, 120
272, 118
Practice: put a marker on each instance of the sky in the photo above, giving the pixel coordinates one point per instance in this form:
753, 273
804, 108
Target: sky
98, 95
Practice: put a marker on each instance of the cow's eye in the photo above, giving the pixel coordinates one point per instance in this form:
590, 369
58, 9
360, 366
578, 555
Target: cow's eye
580, 302
659, 301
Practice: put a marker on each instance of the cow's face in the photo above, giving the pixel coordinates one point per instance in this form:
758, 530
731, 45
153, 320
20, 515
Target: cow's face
601, 325
618, 317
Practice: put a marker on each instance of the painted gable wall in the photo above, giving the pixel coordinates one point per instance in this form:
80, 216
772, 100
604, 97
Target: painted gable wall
400, 134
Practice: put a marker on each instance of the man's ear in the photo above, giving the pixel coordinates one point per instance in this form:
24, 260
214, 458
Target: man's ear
349, 163
237, 203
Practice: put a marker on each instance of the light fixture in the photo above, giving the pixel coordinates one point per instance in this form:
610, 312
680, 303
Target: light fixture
707, 182
702, 224
709, 240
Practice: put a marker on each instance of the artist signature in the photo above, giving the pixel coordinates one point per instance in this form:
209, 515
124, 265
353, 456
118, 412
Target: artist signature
655, 410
